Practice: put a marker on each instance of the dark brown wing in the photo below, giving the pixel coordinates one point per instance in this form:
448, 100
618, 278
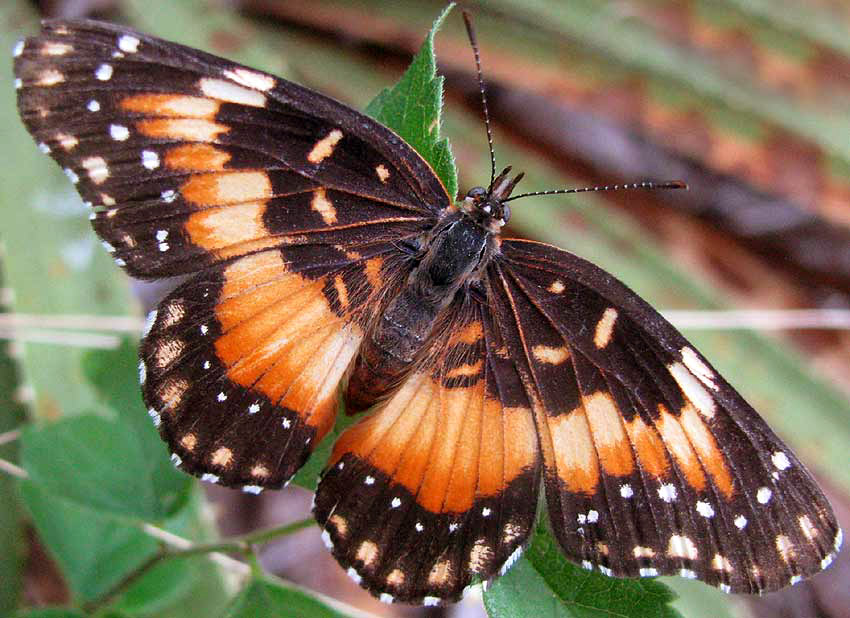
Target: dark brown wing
655, 465
438, 484
190, 159
286, 206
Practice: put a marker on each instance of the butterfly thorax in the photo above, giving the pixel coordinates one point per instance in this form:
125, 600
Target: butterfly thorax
452, 255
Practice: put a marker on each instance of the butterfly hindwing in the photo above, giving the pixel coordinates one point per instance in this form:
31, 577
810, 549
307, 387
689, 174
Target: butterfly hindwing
190, 159
242, 364
654, 464
437, 485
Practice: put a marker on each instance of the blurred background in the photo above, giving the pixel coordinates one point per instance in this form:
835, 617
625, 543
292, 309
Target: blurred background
748, 101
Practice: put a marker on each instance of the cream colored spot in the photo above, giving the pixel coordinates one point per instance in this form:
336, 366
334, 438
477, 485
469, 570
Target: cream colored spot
181, 129
440, 573
260, 471
602, 548
605, 328
643, 552
251, 79
557, 287
467, 370
367, 553
189, 442
511, 533
227, 188
108, 200
809, 531
96, 168
395, 578
168, 351
50, 77
324, 147
223, 456
230, 92
68, 142
171, 392
695, 365
721, 563
785, 548
681, 546
550, 355
104, 72
171, 105
322, 205
172, 313
480, 556
340, 524
382, 172
693, 389
52, 48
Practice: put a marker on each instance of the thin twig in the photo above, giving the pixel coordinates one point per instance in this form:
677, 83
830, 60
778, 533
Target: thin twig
63, 338
9, 436
761, 319
9, 468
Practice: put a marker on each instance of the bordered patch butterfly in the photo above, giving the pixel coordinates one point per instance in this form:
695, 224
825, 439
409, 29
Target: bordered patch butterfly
324, 255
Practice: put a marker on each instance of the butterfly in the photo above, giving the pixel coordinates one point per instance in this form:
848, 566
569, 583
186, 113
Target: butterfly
325, 259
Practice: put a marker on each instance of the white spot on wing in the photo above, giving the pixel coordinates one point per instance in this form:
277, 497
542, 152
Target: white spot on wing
705, 509
740, 522
667, 492
763, 495
587, 564
154, 417
780, 460
695, 365
18, 49
18, 83
681, 546
168, 196
326, 539
210, 478
648, 572
693, 389
396, 502
626, 491
118, 132
251, 79
252, 489
72, 175
104, 72
354, 575
230, 92
143, 372
128, 43
253, 408
93, 106
97, 170
386, 598
221, 396
150, 160
369, 480
431, 601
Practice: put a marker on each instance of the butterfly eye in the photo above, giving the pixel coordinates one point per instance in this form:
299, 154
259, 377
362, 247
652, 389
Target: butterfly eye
476, 192
506, 213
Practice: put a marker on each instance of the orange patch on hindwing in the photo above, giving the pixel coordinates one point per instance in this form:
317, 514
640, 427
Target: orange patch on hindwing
426, 438
225, 231
649, 447
280, 338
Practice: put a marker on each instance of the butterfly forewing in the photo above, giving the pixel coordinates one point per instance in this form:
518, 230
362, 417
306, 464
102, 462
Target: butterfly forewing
191, 159
439, 484
655, 465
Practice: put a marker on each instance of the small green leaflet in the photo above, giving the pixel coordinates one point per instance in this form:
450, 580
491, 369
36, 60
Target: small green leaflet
545, 583
413, 107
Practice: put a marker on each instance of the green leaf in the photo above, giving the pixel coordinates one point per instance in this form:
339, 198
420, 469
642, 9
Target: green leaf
263, 598
114, 375
544, 583
101, 465
413, 109
93, 550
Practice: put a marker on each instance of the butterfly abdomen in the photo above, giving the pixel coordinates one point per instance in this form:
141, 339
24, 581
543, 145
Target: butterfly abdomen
451, 254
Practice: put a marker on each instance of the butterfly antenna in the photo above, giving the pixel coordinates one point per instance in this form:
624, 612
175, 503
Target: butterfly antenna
670, 184
470, 32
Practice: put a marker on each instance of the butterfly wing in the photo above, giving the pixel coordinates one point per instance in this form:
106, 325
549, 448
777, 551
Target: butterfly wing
285, 205
191, 159
438, 485
654, 464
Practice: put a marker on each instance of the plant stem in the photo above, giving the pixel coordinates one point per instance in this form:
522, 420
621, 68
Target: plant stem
243, 544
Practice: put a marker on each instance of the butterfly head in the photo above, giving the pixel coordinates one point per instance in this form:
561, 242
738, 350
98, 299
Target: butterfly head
486, 206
